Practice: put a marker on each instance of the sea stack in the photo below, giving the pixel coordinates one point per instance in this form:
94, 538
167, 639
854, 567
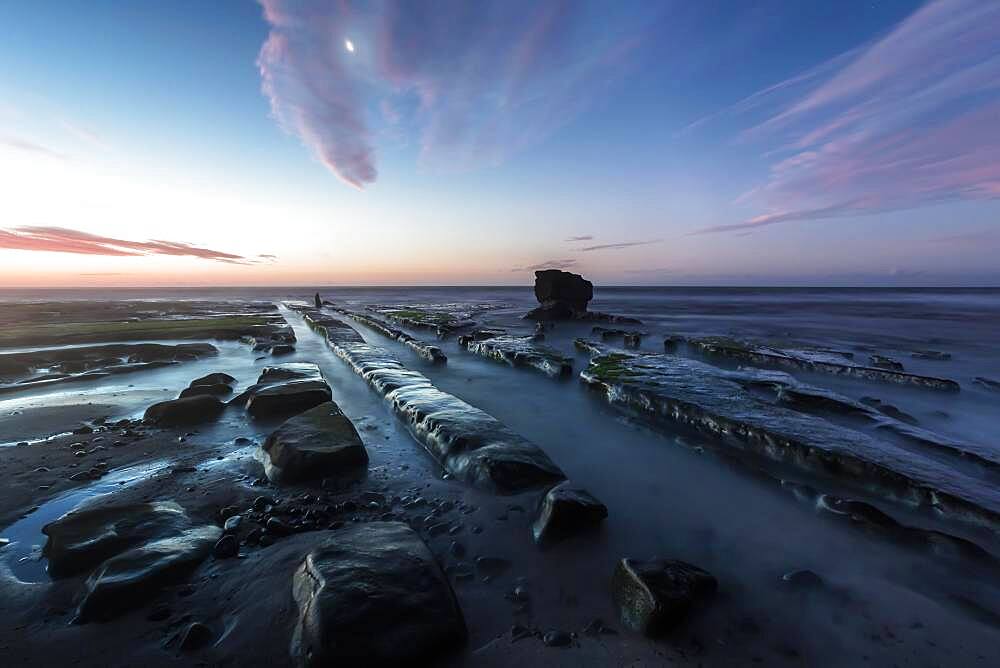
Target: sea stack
562, 295
319, 302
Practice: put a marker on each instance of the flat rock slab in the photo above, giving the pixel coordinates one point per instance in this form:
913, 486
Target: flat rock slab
189, 410
286, 389
320, 443
428, 351
131, 577
468, 442
675, 389
373, 595
83, 538
655, 596
518, 351
822, 361
566, 510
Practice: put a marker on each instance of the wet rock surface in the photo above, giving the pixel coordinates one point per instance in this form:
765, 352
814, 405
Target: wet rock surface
186, 411
286, 390
428, 351
655, 596
82, 539
127, 579
518, 351
25, 370
469, 443
373, 595
671, 388
319, 443
564, 511
822, 361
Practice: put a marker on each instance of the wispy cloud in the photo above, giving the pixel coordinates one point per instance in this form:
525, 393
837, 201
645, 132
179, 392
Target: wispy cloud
624, 244
473, 82
584, 237
30, 146
64, 240
547, 264
85, 135
908, 120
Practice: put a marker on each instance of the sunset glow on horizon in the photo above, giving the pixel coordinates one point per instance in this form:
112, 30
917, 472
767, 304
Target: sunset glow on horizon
638, 144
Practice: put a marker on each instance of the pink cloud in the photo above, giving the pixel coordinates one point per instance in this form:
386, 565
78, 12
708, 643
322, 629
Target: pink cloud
908, 120
64, 240
474, 82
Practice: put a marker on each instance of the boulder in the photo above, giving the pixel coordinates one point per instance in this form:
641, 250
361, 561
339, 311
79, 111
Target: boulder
217, 390
288, 397
564, 511
289, 371
132, 577
189, 410
319, 443
373, 595
282, 349
83, 538
562, 295
218, 378
655, 596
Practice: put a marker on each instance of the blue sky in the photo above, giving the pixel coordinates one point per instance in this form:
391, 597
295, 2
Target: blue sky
844, 143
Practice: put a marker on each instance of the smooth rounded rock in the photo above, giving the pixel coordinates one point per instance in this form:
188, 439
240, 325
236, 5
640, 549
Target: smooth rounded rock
373, 595
655, 596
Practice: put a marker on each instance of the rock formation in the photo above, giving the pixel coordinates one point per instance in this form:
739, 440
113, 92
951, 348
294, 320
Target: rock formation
562, 295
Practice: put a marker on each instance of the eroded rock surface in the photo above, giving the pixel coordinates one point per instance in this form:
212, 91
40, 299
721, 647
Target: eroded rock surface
667, 387
286, 389
428, 351
469, 443
655, 596
128, 579
83, 538
518, 351
372, 595
566, 510
320, 443
816, 360
186, 411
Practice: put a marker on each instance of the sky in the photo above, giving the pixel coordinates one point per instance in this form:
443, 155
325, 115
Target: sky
284, 142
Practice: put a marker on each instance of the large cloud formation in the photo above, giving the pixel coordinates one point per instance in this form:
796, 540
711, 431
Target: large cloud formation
907, 120
472, 82
64, 240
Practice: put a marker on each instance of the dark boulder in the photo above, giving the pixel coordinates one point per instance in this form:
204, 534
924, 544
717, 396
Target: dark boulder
134, 576
655, 596
217, 378
83, 538
217, 390
373, 595
319, 443
562, 295
189, 410
288, 397
282, 349
564, 511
